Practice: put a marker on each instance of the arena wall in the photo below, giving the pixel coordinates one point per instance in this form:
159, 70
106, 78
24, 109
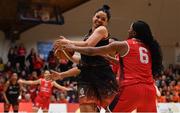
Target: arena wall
159, 14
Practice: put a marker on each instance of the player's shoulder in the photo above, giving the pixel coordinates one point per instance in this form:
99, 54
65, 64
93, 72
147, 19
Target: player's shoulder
101, 29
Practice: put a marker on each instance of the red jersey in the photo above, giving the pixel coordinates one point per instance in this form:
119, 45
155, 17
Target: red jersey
137, 64
45, 88
115, 67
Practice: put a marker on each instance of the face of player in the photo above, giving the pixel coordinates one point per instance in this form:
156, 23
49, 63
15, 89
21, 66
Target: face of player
131, 32
14, 77
100, 19
46, 74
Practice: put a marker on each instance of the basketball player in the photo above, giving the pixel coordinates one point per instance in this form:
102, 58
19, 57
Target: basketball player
140, 59
42, 100
12, 90
96, 81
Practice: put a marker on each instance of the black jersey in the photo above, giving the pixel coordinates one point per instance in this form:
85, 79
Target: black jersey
95, 60
13, 92
96, 70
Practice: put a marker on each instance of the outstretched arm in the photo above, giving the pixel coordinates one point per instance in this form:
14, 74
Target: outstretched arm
61, 75
61, 87
29, 82
111, 59
4, 92
117, 46
98, 34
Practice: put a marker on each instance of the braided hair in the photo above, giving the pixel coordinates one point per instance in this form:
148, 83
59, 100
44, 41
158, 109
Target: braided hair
144, 34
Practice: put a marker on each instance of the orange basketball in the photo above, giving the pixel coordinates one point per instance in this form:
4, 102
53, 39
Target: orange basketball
63, 54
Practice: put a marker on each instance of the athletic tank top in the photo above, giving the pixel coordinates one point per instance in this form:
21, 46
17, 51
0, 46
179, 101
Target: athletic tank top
137, 64
45, 88
13, 91
95, 60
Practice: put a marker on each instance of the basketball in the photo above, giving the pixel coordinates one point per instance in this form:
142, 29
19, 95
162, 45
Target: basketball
63, 54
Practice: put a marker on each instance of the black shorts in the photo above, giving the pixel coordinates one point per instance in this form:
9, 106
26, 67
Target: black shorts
96, 85
13, 101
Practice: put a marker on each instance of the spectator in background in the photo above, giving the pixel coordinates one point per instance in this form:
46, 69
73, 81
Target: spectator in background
38, 64
53, 99
21, 55
73, 99
62, 98
30, 58
12, 56
17, 68
23, 74
52, 61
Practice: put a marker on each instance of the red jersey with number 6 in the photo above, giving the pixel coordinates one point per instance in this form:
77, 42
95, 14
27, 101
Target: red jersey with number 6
137, 64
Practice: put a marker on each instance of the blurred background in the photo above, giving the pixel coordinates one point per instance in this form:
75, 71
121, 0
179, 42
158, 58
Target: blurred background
29, 27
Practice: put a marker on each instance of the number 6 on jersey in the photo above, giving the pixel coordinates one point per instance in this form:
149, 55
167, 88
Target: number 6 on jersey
143, 55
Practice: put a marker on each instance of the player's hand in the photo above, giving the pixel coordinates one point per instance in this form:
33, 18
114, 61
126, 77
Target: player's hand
20, 81
55, 75
69, 89
64, 40
69, 47
20, 97
61, 41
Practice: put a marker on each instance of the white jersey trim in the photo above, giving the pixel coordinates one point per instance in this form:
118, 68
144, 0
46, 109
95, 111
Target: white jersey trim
127, 50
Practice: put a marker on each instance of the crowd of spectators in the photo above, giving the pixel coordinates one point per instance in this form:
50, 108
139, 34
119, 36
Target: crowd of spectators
169, 84
30, 66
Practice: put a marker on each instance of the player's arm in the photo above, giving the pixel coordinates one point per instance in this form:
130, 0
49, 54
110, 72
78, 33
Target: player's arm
20, 93
29, 82
117, 46
158, 93
61, 75
98, 34
111, 59
22, 88
4, 91
61, 87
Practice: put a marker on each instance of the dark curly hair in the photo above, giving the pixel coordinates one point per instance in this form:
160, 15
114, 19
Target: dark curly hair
143, 33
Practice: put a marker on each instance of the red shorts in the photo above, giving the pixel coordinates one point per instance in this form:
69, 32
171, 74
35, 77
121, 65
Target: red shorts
141, 97
42, 102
